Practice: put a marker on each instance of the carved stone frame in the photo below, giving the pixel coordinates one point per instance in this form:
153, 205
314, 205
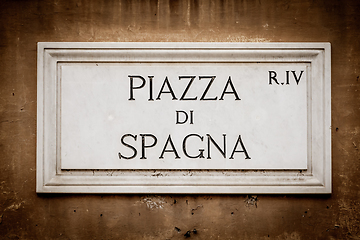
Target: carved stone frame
316, 179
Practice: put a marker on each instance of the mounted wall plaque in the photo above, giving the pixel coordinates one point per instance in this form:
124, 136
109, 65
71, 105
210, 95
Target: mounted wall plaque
184, 118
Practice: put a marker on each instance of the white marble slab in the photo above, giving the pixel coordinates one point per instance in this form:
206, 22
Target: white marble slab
107, 115
96, 113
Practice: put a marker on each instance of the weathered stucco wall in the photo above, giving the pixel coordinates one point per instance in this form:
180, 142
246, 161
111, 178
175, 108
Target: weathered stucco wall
26, 215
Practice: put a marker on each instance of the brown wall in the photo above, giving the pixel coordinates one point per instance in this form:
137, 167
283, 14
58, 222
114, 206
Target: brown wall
27, 215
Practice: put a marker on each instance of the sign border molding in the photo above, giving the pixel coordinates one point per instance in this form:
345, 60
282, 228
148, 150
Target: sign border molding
50, 178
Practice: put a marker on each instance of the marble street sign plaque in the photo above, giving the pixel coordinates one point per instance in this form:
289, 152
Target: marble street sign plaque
184, 118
